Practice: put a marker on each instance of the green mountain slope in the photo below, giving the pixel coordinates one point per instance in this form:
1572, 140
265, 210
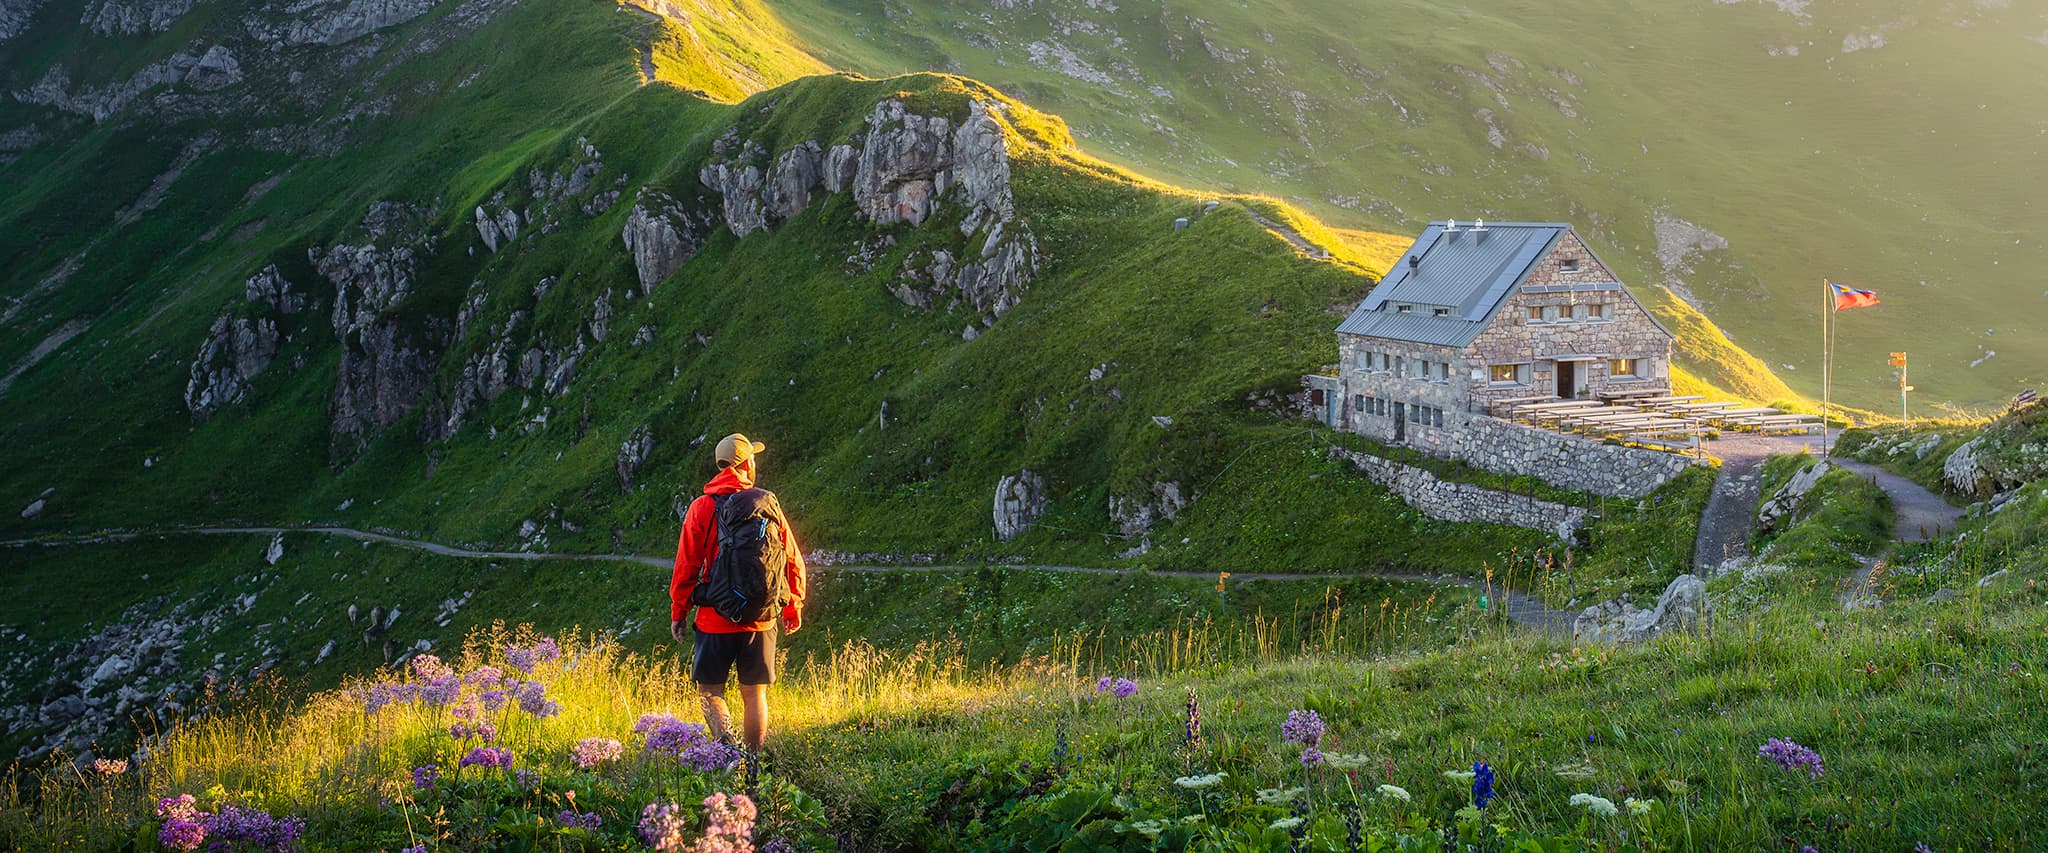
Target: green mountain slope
1737, 151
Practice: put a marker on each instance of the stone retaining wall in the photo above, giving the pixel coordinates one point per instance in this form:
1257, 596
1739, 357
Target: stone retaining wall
1563, 460
1445, 500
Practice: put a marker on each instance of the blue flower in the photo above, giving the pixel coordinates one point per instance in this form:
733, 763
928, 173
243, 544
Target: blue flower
1482, 784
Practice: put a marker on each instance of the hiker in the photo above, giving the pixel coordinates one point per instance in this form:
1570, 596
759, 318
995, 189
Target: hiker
738, 564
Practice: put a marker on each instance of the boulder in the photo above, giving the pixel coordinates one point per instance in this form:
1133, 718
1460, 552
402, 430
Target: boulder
275, 552
633, 453
1964, 468
497, 223
1679, 608
661, 236
35, 508
1783, 506
1020, 498
236, 349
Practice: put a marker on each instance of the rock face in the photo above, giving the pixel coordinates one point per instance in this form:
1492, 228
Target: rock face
497, 223
335, 23
15, 15
661, 236
132, 17
1136, 514
386, 365
633, 453
1963, 470
1020, 497
238, 347
1678, 609
1783, 506
209, 71
901, 170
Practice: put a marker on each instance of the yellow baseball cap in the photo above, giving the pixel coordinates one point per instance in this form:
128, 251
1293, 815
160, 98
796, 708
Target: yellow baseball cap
734, 449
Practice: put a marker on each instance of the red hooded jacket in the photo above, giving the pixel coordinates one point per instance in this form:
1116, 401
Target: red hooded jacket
699, 546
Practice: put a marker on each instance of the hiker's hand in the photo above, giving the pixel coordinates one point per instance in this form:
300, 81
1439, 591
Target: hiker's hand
792, 618
675, 629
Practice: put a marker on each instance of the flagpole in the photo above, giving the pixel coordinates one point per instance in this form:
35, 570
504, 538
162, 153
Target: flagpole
1827, 362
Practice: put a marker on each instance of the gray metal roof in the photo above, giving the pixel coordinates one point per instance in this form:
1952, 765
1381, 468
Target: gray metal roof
1469, 272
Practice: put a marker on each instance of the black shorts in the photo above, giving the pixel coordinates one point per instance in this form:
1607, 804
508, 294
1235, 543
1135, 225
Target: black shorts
715, 656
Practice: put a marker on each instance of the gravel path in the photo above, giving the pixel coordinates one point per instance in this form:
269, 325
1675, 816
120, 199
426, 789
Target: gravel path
1523, 609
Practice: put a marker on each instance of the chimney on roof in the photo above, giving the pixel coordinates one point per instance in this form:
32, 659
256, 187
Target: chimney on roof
1479, 230
1414, 261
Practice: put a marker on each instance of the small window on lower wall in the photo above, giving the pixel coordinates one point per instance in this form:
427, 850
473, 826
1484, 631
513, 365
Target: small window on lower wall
1439, 415
1624, 368
1358, 402
1508, 373
1380, 407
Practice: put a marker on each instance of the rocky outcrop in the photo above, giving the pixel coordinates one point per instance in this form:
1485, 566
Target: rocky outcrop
338, 23
212, 70
236, 349
1678, 609
1136, 514
661, 235
1782, 507
386, 364
133, 17
990, 282
497, 222
238, 346
633, 453
15, 16
1964, 469
1020, 498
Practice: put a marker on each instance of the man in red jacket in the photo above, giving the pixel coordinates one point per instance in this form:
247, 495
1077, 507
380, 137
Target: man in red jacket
721, 645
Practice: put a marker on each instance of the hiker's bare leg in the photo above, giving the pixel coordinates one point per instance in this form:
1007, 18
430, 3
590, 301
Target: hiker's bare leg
712, 697
754, 714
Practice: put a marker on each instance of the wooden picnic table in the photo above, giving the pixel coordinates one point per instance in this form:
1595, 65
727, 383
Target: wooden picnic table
1786, 419
1561, 404
1703, 407
1658, 401
1512, 401
1745, 413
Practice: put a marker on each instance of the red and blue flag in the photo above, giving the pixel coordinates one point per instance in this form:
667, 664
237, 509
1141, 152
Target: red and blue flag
1847, 297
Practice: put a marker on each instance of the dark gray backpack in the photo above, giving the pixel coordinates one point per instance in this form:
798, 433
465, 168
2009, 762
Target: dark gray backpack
745, 584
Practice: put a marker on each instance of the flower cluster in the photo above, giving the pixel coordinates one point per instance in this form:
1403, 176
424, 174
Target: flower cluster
185, 827
1121, 688
662, 826
1191, 730
587, 820
525, 658
687, 742
424, 777
1196, 783
1792, 756
728, 824
1595, 805
110, 766
1303, 727
593, 751
1482, 784
1396, 792
428, 668
488, 756
533, 699
481, 730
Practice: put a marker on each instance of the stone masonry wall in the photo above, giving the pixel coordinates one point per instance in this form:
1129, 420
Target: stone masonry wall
1463, 502
1626, 332
1563, 460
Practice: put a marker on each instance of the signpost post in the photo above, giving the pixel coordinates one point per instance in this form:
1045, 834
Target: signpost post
1899, 361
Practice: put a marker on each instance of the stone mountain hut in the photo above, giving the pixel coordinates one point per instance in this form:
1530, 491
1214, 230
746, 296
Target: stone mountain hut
1486, 312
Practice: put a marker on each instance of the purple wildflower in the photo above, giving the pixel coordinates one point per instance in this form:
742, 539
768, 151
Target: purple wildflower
672, 736
662, 826
728, 824
182, 805
587, 820
424, 777
482, 731
1311, 757
527, 780
417, 848
1482, 784
1123, 688
484, 676
428, 668
257, 828
650, 722
593, 751
493, 699
710, 756
442, 691
1102, 685
488, 756
1302, 727
525, 658
181, 834
533, 699
1792, 756
779, 845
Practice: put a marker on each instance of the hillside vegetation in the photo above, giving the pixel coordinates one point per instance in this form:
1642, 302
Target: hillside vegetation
1737, 152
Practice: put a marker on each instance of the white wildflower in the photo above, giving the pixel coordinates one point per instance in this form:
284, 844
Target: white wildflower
1458, 775
1277, 796
1194, 783
1639, 807
1395, 792
1597, 805
1149, 828
1344, 762
1286, 823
